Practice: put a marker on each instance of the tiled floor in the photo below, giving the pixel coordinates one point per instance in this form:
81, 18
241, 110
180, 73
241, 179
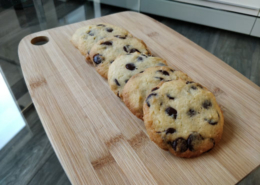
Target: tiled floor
29, 157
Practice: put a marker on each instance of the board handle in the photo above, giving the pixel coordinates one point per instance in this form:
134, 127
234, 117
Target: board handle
41, 40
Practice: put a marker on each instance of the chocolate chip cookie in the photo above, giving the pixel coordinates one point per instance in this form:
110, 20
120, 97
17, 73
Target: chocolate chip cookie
87, 36
140, 85
125, 66
78, 33
107, 50
183, 117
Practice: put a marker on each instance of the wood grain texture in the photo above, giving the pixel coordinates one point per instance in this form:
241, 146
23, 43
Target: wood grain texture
98, 140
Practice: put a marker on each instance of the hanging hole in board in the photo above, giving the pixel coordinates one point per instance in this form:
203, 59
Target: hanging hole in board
38, 41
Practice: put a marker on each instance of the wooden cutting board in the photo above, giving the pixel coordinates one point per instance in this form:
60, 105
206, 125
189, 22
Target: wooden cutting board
99, 141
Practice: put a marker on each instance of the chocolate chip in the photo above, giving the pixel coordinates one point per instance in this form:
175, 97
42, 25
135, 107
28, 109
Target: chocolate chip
109, 29
161, 103
170, 131
191, 112
194, 87
141, 71
154, 89
134, 50
140, 59
117, 83
200, 86
144, 55
118, 94
211, 122
206, 104
171, 112
111, 61
97, 59
101, 25
107, 43
159, 78
194, 139
180, 145
126, 48
170, 97
90, 33
172, 70
148, 97
126, 80
164, 72
120, 37
130, 66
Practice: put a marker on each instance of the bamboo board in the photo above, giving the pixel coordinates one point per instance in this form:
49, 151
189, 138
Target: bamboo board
99, 141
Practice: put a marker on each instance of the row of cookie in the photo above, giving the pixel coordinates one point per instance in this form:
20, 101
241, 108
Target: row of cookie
102, 43
133, 76
122, 58
180, 115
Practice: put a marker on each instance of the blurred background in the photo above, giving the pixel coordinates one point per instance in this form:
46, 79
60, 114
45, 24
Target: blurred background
229, 29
